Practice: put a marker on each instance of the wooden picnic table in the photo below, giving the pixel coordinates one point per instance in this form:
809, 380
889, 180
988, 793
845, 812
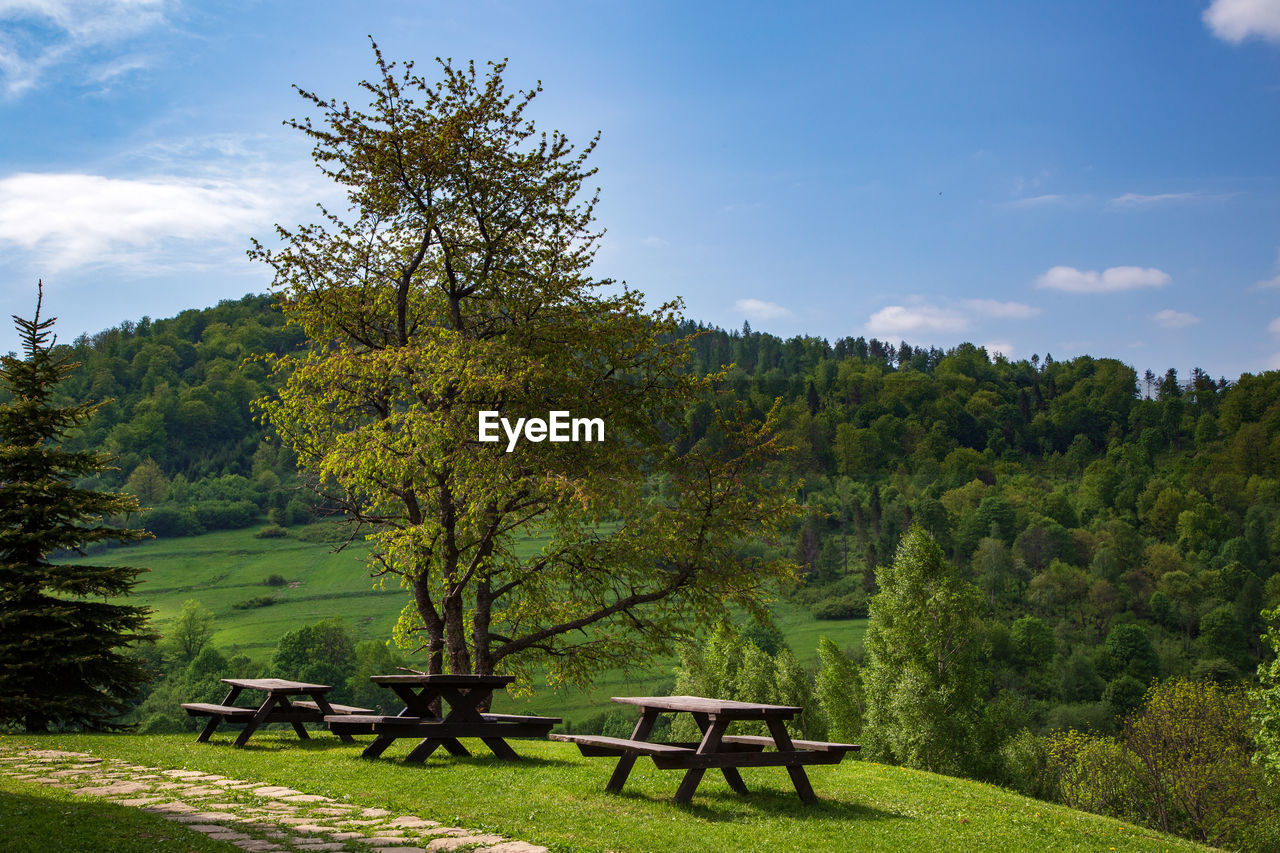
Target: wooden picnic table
717, 749
277, 707
425, 697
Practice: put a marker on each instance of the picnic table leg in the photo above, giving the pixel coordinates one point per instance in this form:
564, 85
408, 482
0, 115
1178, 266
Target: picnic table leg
693, 776
731, 774
798, 777
501, 748
326, 709
423, 750
258, 719
216, 720
620, 773
379, 746
286, 705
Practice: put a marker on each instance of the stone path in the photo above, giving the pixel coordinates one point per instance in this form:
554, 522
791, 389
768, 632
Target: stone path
250, 815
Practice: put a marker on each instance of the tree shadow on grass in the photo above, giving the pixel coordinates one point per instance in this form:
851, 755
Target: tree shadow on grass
770, 803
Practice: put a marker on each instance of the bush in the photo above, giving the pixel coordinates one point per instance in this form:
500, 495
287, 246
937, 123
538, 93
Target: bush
166, 522
275, 580
852, 606
1096, 774
1026, 761
324, 533
255, 602
226, 515
273, 531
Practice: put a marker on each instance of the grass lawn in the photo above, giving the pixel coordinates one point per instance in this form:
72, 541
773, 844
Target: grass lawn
224, 568
39, 819
556, 797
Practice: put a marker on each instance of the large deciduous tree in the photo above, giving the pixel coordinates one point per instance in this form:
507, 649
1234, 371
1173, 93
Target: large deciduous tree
459, 281
63, 644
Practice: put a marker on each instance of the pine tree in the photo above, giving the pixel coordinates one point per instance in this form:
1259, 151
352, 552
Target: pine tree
64, 647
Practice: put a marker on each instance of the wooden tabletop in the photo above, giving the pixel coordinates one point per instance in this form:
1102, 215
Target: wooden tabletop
445, 680
276, 685
716, 707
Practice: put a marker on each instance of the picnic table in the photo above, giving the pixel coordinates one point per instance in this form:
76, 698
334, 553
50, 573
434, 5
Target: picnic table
277, 707
717, 749
424, 697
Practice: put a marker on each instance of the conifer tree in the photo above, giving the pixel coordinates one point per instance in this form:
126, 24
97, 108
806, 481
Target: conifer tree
63, 644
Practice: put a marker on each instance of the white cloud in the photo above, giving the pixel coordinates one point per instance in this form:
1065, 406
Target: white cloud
1237, 20
1134, 200
1269, 284
1038, 200
39, 35
1171, 319
655, 243
895, 320
73, 220
995, 348
1001, 310
1111, 280
1274, 326
760, 309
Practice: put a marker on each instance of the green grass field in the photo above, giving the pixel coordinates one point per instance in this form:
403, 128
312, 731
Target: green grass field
555, 797
224, 568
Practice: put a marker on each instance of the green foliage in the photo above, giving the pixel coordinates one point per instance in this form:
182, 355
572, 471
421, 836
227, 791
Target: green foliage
373, 657
189, 632
728, 666
255, 602
1266, 698
838, 689
322, 653
67, 648
924, 681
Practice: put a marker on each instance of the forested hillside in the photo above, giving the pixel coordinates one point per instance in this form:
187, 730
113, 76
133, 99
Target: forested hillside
1081, 499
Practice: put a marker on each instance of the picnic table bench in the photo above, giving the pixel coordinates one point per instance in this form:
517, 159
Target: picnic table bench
424, 696
716, 750
277, 707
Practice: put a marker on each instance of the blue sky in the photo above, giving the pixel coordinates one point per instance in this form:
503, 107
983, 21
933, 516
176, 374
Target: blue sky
1065, 178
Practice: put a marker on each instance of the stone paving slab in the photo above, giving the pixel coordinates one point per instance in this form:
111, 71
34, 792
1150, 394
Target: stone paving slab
254, 817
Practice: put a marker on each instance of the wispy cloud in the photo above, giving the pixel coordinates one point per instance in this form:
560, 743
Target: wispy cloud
39, 36
1268, 284
897, 320
1170, 319
995, 348
1001, 310
64, 221
1111, 280
1274, 326
761, 310
1133, 201
1037, 201
1237, 20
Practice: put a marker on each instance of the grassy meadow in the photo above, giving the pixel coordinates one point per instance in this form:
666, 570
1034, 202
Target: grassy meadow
225, 568
556, 797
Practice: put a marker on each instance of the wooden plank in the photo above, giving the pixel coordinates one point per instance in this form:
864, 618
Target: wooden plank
445, 680
793, 758
516, 718
335, 709
397, 727
276, 685
623, 745
231, 712
815, 745
715, 707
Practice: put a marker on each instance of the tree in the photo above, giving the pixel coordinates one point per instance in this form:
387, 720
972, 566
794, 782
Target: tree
461, 284
1266, 699
190, 632
65, 646
924, 681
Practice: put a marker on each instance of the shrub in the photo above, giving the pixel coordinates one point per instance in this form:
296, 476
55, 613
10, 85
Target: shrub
255, 602
225, 515
275, 580
853, 606
324, 533
273, 531
1026, 761
1096, 774
166, 521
